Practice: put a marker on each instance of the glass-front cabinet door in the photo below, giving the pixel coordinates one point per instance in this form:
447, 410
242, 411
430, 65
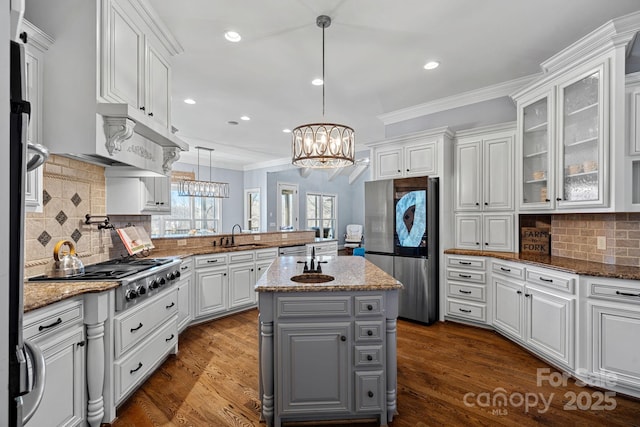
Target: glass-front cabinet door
537, 154
580, 148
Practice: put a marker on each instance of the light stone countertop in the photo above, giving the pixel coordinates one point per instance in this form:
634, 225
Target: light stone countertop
351, 273
40, 294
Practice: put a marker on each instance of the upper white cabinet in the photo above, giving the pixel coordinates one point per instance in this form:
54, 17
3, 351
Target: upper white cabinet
484, 169
632, 164
411, 155
135, 196
573, 151
135, 70
156, 195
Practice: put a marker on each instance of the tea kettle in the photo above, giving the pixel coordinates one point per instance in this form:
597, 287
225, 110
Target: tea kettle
66, 264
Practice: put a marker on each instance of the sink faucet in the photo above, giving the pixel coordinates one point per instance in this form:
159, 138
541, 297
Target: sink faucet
232, 232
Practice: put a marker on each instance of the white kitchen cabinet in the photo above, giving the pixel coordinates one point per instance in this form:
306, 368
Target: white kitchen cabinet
134, 71
185, 294
35, 55
466, 289
212, 288
632, 160
484, 169
489, 232
138, 196
59, 332
323, 248
242, 279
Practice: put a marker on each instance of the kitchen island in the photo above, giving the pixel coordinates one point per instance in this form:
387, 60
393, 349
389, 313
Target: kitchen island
327, 349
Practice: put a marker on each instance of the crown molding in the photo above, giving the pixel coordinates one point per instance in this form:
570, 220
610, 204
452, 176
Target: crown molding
37, 37
508, 127
268, 164
454, 101
435, 132
159, 28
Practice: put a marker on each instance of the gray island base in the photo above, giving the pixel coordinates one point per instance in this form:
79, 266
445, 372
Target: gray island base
328, 350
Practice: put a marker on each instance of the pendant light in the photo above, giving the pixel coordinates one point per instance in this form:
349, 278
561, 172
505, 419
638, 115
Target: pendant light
198, 188
323, 145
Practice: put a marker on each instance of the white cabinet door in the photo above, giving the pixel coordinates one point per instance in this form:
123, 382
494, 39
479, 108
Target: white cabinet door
615, 336
185, 313
497, 193
497, 232
468, 231
508, 315
550, 325
389, 163
212, 286
156, 195
242, 278
468, 174
157, 88
124, 47
421, 159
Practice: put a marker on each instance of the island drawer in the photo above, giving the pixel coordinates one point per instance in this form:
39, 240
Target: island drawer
368, 355
369, 391
368, 305
302, 306
368, 330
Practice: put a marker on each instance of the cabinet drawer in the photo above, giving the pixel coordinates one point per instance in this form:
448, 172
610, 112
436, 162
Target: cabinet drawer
132, 328
369, 330
368, 305
614, 290
369, 391
476, 312
270, 253
305, 307
551, 280
131, 370
467, 291
476, 263
243, 256
187, 266
52, 318
466, 276
211, 260
508, 270
368, 355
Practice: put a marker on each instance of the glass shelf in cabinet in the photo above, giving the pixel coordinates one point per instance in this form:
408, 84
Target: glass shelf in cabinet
537, 128
581, 174
536, 181
580, 110
582, 141
536, 154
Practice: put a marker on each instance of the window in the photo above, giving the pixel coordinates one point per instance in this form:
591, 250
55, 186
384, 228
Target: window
189, 216
322, 214
252, 209
287, 206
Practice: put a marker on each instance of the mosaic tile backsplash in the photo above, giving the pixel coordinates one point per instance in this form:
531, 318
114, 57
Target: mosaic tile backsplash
72, 189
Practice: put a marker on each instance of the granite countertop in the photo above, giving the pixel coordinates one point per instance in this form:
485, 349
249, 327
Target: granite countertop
209, 249
40, 294
569, 265
351, 274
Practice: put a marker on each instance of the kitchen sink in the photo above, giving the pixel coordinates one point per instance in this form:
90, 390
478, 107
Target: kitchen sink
312, 278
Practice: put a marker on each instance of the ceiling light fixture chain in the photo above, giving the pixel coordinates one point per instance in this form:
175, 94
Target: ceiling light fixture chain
198, 188
323, 145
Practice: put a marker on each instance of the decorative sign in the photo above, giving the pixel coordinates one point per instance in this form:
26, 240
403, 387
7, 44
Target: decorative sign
535, 240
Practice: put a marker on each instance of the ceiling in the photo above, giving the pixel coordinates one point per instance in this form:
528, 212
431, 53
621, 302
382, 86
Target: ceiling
375, 52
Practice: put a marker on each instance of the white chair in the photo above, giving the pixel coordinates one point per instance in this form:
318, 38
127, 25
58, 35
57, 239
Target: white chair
353, 237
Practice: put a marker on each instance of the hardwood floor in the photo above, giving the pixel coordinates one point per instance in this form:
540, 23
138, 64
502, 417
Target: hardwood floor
448, 374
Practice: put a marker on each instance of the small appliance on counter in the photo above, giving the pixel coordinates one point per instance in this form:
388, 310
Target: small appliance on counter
401, 228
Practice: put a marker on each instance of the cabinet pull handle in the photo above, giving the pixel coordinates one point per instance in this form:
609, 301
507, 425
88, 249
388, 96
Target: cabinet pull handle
170, 305
477, 204
142, 108
547, 200
57, 322
464, 276
150, 114
135, 329
464, 263
343, 338
546, 280
169, 339
252, 269
398, 170
508, 270
369, 307
486, 243
627, 294
463, 291
137, 369
370, 332
519, 292
478, 243
408, 170
370, 394
486, 204
211, 261
558, 199
464, 311
527, 295
183, 268
369, 357
81, 344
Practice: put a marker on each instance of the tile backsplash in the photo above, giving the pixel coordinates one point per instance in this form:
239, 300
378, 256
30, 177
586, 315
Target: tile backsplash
576, 236
72, 189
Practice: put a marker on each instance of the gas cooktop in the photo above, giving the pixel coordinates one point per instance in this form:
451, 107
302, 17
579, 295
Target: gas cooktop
111, 270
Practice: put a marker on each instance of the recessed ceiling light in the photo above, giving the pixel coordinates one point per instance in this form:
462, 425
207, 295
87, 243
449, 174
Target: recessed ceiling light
286, 130
232, 122
317, 82
245, 118
431, 65
232, 36
189, 101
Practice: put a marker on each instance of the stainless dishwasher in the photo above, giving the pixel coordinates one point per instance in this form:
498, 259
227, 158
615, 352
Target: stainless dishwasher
296, 250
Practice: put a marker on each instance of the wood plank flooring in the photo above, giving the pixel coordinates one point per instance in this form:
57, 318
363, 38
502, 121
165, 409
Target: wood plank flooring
213, 381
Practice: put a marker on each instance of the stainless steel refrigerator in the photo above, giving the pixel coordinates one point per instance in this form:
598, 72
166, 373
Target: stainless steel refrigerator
401, 237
